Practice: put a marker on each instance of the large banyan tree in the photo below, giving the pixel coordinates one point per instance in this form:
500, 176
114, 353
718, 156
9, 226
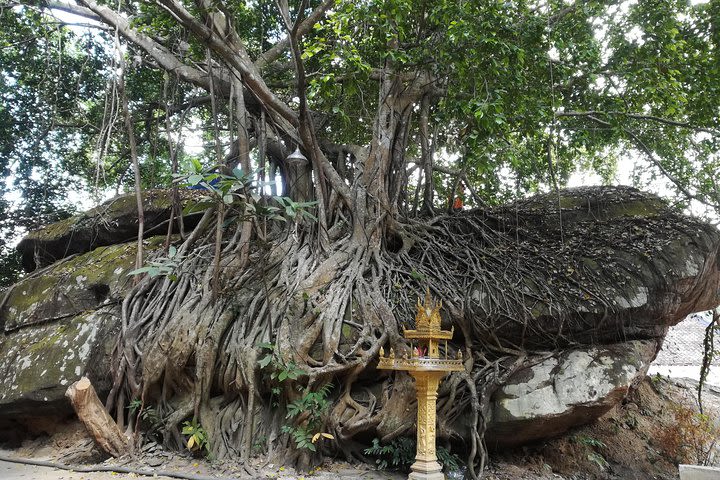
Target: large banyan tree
397, 108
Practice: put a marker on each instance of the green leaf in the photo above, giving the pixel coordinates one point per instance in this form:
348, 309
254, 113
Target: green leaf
194, 179
140, 270
197, 207
265, 361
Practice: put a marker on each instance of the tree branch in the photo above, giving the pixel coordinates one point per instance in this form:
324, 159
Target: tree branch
644, 148
675, 181
277, 50
162, 55
235, 56
594, 114
74, 9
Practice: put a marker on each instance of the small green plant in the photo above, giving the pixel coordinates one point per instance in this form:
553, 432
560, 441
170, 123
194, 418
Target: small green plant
589, 441
293, 209
656, 381
258, 445
417, 276
592, 444
449, 461
197, 440
309, 410
598, 460
311, 402
238, 190
134, 405
161, 266
148, 415
278, 369
400, 454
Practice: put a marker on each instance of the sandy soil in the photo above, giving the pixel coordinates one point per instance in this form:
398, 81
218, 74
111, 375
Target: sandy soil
69, 446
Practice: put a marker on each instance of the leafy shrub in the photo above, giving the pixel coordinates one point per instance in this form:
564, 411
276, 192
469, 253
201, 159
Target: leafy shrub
400, 454
306, 414
309, 410
449, 461
277, 370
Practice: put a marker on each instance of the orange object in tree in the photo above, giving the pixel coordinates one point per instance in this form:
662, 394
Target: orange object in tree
457, 204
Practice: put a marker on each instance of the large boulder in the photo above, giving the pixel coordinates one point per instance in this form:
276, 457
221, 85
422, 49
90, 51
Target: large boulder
598, 266
60, 324
113, 222
622, 267
38, 364
566, 390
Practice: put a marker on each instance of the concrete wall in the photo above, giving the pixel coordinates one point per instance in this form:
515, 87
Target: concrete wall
695, 472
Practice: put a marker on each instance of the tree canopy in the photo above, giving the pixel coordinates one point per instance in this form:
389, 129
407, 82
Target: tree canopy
514, 96
399, 106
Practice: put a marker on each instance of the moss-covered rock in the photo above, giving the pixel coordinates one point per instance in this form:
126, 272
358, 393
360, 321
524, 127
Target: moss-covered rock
113, 222
59, 324
552, 210
38, 364
71, 286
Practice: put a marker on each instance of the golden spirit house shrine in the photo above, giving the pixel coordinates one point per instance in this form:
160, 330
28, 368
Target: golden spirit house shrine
427, 368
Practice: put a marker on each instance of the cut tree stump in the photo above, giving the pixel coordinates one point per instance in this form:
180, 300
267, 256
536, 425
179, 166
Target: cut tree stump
97, 420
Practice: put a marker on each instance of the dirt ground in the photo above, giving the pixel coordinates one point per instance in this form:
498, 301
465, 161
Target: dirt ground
16, 471
657, 427
70, 446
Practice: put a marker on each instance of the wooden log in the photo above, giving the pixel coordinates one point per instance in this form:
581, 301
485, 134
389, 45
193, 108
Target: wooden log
98, 422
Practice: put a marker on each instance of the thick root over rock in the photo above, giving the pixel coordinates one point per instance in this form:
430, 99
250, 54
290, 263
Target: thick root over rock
241, 356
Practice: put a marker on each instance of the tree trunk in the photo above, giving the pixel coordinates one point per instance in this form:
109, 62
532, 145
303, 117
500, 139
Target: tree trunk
96, 419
